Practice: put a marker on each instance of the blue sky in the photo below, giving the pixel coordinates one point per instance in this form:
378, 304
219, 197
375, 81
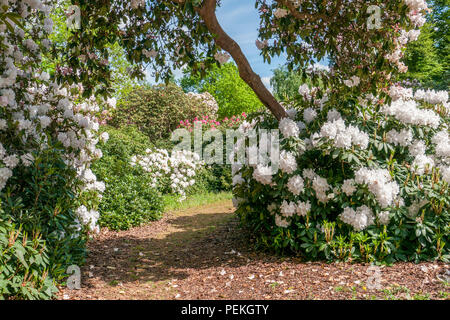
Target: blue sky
240, 20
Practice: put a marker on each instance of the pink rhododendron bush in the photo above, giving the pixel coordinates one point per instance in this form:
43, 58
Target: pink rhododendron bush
365, 180
48, 137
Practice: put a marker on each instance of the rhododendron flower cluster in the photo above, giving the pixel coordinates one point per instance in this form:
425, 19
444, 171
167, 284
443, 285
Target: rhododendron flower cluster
174, 172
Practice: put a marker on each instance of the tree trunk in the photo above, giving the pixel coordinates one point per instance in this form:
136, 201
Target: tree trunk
208, 13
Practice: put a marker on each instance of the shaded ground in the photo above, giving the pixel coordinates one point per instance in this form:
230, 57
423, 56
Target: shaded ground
201, 253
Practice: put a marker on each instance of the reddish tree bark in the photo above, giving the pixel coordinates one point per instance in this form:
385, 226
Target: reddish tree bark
208, 13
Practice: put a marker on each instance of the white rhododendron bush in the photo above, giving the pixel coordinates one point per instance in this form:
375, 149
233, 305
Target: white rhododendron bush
364, 180
48, 137
170, 173
363, 169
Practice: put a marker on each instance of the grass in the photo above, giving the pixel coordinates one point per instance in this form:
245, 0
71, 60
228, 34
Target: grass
196, 200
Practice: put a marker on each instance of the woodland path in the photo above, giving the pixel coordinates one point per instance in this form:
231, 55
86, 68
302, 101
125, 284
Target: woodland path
201, 253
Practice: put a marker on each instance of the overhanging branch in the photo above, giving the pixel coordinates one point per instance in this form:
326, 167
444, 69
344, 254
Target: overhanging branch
208, 13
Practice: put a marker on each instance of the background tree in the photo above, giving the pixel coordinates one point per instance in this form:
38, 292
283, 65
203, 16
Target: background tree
285, 83
421, 57
232, 94
170, 34
440, 18
121, 80
428, 58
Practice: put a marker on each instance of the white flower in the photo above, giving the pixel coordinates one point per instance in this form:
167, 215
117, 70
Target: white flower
333, 115
408, 113
309, 174
445, 171
288, 209
280, 13
402, 138
343, 140
288, 163
5, 174
442, 142
304, 90
359, 219
348, 187
417, 148
292, 113
289, 128
296, 185
281, 222
88, 217
303, 208
380, 184
112, 102
384, 217
353, 82
263, 174
309, 115
421, 164
104, 136
321, 186
11, 161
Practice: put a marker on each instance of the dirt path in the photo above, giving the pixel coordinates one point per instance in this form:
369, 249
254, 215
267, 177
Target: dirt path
201, 253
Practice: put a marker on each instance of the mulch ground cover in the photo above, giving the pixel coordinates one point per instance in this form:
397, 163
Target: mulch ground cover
201, 253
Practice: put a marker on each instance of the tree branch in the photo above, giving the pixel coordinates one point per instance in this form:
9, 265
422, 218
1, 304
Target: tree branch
311, 17
208, 13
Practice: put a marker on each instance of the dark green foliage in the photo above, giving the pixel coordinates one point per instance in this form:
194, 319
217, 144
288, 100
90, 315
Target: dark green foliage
128, 200
41, 198
214, 178
23, 264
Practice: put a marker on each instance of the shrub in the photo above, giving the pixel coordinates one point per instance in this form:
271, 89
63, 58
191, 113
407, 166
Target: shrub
48, 137
128, 200
155, 110
24, 264
170, 173
214, 177
367, 182
43, 198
